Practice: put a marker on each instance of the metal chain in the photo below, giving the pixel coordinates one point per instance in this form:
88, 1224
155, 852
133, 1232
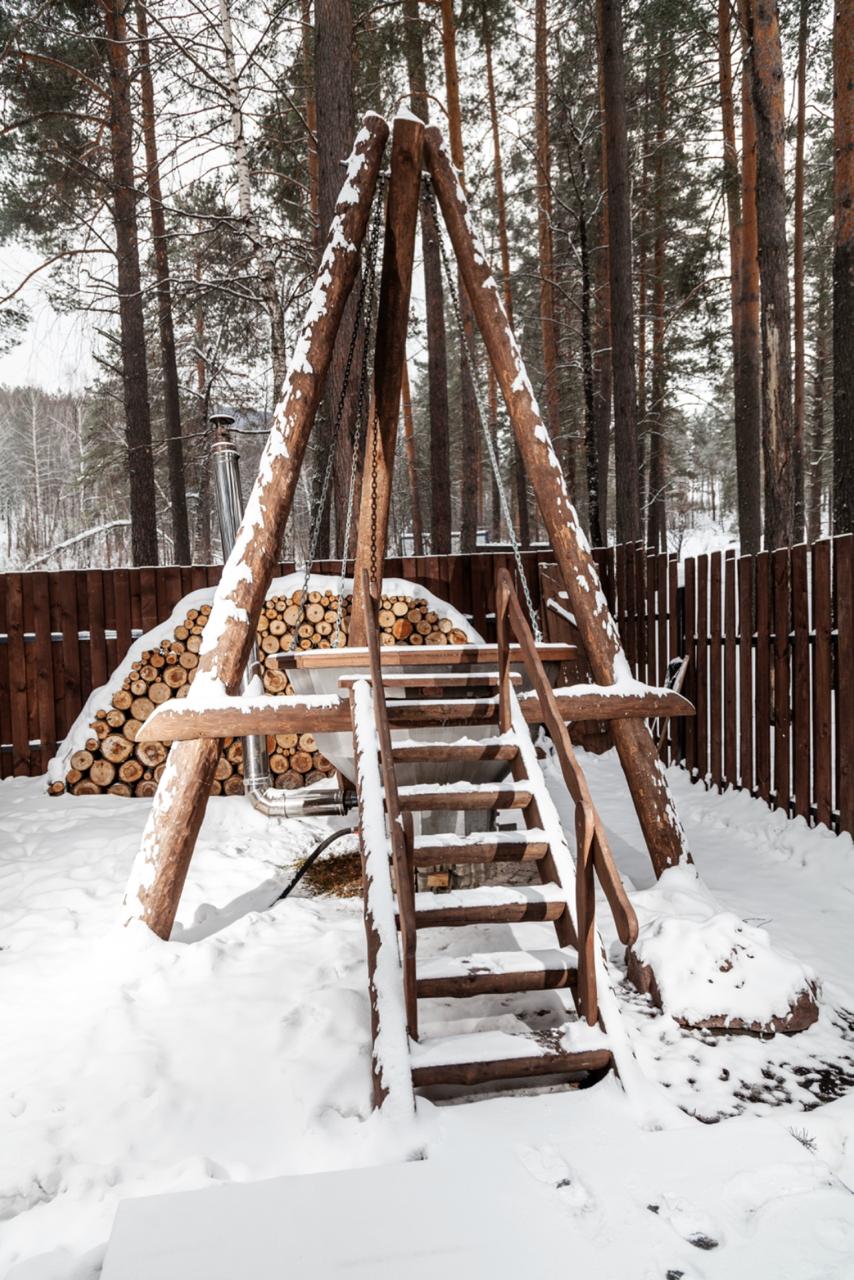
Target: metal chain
361, 415
482, 417
317, 520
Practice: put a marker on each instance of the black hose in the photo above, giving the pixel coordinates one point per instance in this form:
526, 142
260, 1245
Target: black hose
313, 856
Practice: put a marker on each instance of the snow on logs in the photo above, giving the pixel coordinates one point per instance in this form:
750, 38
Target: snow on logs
112, 760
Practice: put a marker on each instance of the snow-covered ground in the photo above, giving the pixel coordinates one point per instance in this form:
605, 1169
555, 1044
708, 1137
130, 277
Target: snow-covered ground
131, 1067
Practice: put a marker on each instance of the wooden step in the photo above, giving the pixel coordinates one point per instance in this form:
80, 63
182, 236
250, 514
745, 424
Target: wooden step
496, 973
464, 796
436, 680
482, 1056
489, 904
425, 656
468, 750
486, 846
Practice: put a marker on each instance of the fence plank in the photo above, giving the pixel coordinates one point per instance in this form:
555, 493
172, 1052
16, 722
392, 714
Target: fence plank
661, 615
801, 752
33, 735
715, 664
730, 705
702, 667
20, 734
97, 645
690, 652
5, 699
640, 606
745, 672
763, 676
73, 689
46, 710
782, 677
822, 701
148, 598
844, 581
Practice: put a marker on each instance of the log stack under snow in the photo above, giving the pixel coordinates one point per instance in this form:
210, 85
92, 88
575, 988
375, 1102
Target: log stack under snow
111, 760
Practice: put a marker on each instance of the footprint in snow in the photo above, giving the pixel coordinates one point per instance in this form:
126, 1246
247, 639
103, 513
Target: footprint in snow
687, 1221
548, 1166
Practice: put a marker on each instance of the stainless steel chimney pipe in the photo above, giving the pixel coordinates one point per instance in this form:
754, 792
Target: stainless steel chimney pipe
257, 783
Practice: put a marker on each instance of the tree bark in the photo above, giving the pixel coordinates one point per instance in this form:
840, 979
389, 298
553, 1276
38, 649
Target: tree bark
843, 267
778, 443
411, 470
311, 125
523, 525
816, 467
548, 317
267, 283
437, 351
620, 274
143, 497
333, 69
798, 274
602, 379
468, 402
657, 536
587, 374
202, 538
169, 363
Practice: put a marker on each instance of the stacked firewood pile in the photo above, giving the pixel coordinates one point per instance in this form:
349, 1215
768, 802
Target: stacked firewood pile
111, 760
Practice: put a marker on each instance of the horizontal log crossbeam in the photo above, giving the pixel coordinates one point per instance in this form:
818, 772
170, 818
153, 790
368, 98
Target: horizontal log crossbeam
329, 713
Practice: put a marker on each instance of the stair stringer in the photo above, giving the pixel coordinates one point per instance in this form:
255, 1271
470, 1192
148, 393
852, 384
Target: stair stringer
644, 1094
391, 1064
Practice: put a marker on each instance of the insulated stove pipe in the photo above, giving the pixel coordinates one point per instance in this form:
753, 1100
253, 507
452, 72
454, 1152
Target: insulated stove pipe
257, 783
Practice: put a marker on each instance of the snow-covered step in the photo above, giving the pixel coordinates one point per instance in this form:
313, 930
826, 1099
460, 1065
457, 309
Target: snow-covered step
481, 846
465, 795
490, 904
497, 973
466, 751
482, 1056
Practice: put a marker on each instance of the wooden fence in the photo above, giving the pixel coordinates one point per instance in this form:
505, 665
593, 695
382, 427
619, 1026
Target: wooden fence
770, 639
63, 633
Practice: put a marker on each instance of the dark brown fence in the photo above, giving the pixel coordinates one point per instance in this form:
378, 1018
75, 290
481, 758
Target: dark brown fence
62, 633
770, 639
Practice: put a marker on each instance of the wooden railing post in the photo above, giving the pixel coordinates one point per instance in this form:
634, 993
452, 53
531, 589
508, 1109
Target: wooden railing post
170, 835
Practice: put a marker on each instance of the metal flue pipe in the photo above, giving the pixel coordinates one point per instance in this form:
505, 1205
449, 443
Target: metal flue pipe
257, 782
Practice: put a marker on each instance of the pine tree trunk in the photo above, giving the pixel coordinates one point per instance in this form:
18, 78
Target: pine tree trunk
620, 274
171, 398
202, 532
778, 443
657, 536
521, 481
267, 283
843, 267
602, 377
311, 127
333, 70
411, 471
816, 466
746, 426
587, 373
798, 273
468, 405
548, 317
437, 352
143, 505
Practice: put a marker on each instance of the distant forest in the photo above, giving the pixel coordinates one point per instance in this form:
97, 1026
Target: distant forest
666, 190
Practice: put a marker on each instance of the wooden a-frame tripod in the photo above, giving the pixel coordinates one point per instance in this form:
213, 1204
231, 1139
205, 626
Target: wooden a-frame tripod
179, 805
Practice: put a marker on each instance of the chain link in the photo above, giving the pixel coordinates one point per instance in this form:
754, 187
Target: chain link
366, 283
482, 417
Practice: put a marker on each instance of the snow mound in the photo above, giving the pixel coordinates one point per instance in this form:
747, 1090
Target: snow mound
705, 966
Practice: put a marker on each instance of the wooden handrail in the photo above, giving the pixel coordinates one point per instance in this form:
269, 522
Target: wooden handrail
593, 852
399, 825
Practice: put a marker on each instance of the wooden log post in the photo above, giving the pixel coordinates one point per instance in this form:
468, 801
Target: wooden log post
644, 772
389, 360
170, 834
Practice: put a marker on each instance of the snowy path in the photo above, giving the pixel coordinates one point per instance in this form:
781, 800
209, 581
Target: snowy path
131, 1067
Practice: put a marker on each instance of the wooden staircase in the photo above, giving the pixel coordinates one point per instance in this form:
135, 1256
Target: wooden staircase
396, 914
